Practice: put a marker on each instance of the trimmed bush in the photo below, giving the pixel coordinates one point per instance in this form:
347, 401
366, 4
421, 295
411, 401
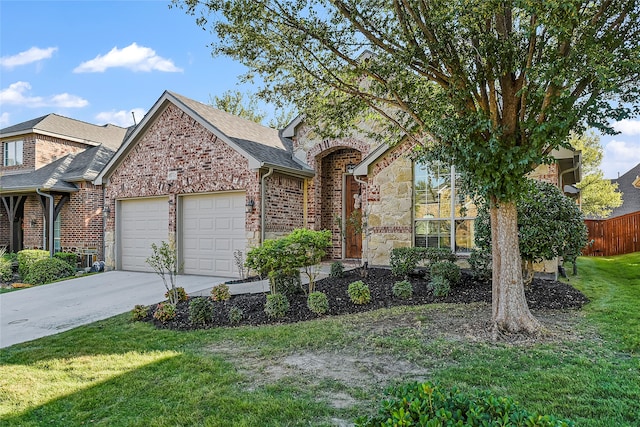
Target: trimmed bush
6, 273
139, 313
318, 302
200, 310
440, 286
286, 282
404, 261
337, 269
235, 314
402, 289
180, 293
27, 257
165, 312
68, 257
359, 293
48, 270
276, 306
448, 270
430, 405
220, 292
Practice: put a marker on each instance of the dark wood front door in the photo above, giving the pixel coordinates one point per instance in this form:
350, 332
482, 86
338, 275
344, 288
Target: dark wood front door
353, 216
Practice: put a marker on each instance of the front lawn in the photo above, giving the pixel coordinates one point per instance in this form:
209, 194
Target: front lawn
326, 372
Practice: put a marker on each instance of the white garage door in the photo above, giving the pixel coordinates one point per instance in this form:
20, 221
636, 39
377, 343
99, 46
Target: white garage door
141, 223
213, 227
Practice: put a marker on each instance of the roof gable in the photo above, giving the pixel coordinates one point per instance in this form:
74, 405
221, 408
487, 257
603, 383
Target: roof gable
628, 185
262, 146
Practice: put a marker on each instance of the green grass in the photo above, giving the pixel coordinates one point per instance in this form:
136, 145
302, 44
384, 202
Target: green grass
119, 373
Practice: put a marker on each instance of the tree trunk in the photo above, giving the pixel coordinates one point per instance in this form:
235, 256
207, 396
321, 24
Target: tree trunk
510, 310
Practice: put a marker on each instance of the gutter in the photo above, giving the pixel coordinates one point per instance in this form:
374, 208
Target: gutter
51, 220
263, 204
577, 166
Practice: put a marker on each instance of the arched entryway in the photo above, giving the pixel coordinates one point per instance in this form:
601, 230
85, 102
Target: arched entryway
338, 201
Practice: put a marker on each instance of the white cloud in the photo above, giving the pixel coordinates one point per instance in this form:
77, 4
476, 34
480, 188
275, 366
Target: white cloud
133, 57
628, 127
4, 119
121, 118
18, 94
620, 157
34, 54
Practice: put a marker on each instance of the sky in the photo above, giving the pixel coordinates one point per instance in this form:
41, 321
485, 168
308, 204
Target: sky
99, 61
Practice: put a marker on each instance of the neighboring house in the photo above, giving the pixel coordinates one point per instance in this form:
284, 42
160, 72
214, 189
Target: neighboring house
217, 184
619, 233
46, 191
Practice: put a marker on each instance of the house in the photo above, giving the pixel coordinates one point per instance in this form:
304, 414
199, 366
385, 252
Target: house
46, 190
619, 233
217, 185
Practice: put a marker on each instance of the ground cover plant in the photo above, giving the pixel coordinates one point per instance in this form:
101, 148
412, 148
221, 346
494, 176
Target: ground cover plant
333, 369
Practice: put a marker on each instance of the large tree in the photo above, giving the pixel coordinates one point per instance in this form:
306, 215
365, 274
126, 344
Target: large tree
490, 86
599, 196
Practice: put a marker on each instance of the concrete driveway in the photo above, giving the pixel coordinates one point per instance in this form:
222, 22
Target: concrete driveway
36, 312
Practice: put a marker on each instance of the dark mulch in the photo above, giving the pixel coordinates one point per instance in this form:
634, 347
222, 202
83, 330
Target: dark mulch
542, 294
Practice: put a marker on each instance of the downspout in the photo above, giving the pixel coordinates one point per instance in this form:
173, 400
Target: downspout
51, 219
365, 246
263, 204
566, 172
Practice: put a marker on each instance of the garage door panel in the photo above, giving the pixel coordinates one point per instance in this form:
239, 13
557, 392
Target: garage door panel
213, 226
141, 223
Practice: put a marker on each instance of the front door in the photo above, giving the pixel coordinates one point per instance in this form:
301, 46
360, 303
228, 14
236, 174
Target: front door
353, 219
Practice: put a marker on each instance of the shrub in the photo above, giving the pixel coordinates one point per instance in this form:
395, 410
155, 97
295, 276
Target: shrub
235, 314
337, 269
179, 294
220, 292
27, 257
428, 404
359, 293
276, 306
48, 270
164, 262
200, 310
286, 282
440, 286
402, 289
165, 312
318, 302
446, 269
139, 312
480, 262
6, 273
68, 257
404, 260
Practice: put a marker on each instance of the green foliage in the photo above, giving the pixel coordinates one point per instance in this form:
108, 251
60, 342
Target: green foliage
404, 261
447, 269
48, 270
235, 314
402, 289
234, 102
139, 312
286, 282
359, 292
427, 404
480, 262
200, 310
27, 257
220, 292
440, 286
301, 248
318, 302
549, 224
164, 262
337, 269
177, 294
276, 306
165, 312
68, 257
6, 271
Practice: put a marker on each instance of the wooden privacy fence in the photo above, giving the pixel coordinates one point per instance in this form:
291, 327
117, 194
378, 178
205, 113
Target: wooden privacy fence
613, 236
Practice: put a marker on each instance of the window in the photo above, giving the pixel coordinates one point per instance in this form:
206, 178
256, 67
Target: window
56, 235
13, 153
444, 215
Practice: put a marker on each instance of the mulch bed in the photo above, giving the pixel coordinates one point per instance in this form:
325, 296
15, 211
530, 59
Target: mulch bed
542, 294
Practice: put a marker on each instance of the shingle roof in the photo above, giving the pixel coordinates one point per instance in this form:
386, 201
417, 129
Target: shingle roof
630, 194
74, 130
61, 174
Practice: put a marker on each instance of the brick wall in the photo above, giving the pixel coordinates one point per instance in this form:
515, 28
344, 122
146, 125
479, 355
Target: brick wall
49, 149
28, 154
284, 204
4, 227
81, 223
33, 223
